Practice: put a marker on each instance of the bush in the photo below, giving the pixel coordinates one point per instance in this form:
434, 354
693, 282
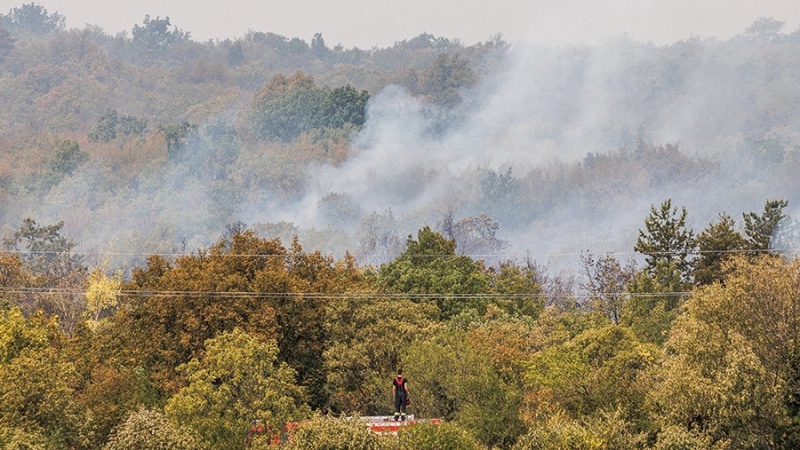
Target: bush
328, 433
148, 429
446, 436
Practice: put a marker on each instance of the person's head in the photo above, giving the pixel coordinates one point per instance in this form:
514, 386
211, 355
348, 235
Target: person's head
399, 372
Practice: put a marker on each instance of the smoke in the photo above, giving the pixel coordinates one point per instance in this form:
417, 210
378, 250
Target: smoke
536, 146
542, 112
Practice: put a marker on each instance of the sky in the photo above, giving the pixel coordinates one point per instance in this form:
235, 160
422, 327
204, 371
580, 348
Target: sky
381, 23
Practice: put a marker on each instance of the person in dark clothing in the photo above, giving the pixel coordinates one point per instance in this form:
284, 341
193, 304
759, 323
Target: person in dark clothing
400, 395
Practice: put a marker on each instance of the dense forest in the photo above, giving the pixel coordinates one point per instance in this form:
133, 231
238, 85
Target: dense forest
583, 247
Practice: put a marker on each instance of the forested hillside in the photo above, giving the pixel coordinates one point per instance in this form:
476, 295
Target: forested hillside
577, 247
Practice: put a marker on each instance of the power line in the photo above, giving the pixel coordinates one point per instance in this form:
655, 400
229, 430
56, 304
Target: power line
206, 254
324, 295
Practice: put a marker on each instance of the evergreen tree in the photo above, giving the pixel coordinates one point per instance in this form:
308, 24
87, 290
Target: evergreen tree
666, 242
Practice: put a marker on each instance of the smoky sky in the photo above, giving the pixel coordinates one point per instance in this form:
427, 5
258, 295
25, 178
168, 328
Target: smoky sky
543, 107
364, 24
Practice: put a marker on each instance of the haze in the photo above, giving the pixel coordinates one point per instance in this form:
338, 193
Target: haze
364, 24
540, 108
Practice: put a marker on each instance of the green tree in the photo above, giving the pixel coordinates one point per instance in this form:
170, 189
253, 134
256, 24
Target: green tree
653, 303
148, 429
106, 128
18, 333
443, 81
66, 159
155, 36
764, 29
175, 136
111, 124
132, 125
516, 289
500, 194
444, 436
716, 243
6, 43
235, 54
666, 243
45, 251
286, 107
603, 369
448, 378
761, 228
430, 270
237, 381
32, 18
22, 438
318, 47
367, 340
344, 106
608, 430
330, 433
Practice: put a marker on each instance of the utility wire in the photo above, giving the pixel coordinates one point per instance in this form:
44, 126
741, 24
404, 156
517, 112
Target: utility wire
207, 254
322, 295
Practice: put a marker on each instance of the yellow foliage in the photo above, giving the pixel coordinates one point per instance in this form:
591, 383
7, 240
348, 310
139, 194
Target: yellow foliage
102, 293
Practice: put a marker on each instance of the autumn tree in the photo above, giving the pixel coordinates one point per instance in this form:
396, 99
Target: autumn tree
38, 388
332, 433
12, 277
454, 381
730, 372
53, 277
367, 340
241, 281
151, 429
176, 308
102, 293
237, 380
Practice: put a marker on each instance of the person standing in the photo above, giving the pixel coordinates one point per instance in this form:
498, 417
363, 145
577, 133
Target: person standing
400, 395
